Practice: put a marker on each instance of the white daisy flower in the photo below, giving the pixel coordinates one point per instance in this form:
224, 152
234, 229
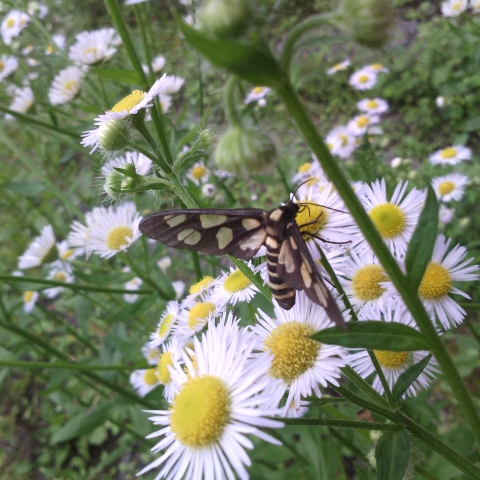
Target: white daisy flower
297, 412
309, 170
165, 103
58, 44
361, 124
157, 64
41, 250
440, 101
363, 79
446, 215
164, 263
93, 47
233, 287
172, 85
200, 289
179, 288
475, 5
341, 142
453, 8
134, 2
376, 68
450, 155
219, 399
62, 272
134, 284
209, 190
444, 269
450, 187
29, 300
144, 381
22, 101
171, 354
373, 106
12, 25
152, 354
164, 327
79, 235
143, 165
65, 85
255, 94
302, 364
27, 50
396, 218
393, 364
339, 66
37, 9
192, 319
198, 173
396, 162
65, 252
8, 64
189, 20
113, 229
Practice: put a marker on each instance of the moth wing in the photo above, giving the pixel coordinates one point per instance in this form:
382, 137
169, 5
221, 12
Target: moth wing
238, 232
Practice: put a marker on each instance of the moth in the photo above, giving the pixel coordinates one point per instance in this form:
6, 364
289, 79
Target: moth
240, 233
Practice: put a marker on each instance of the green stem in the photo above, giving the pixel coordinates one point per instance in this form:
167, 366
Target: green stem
335, 174
229, 101
196, 265
364, 386
473, 331
340, 423
143, 34
72, 366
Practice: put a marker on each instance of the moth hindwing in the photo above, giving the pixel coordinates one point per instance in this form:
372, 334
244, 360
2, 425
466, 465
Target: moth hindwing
241, 233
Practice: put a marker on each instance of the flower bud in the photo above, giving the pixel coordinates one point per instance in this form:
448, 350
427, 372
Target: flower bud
224, 18
368, 22
114, 135
244, 151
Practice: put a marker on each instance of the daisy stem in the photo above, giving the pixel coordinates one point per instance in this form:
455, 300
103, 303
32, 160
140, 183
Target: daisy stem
340, 423
196, 265
141, 25
72, 365
413, 303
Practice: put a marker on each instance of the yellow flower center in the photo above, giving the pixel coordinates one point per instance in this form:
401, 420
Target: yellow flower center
376, 66
305, 167
150, 376
311, 218
389, 359
366, 282
258, 90
363, 78
200, 411
389, 220
344, 139
362, 121
371, 104
436, 282
165, 325
337, 67
293, 352
153, 354
457, 6
66, 254
236, 282
202, 284
27, 296
199, 314
10, 23
50, 49
90, 50
119, 237
72, 86
61, 276
163, 374
449, 152
129, 101
199, 172
2, 66
446, 187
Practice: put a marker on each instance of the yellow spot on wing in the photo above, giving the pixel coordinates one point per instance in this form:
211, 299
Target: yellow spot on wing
250, 223
184, 234
224, 237
176, 220
208, 220
193, 238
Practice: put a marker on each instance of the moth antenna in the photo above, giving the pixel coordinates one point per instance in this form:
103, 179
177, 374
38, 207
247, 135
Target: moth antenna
318, 237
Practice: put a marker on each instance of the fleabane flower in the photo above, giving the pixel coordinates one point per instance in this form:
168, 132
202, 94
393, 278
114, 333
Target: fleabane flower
373, 106
256, 94
309, 170
65, 251
446, 215
94, 47
220, 397
113, 229
437, 282
13, 24
8, 64
453, 8
171, 353
42, 250
65, 85
157, 64
450, 155
232, 287
22, 101
339, 66
61, 272
198, 174
144, 381
197, 290
376, 68
302, 364
395, 219
134, 284
194, 318
475, 5
29, 300
58, 44
393, 363
79, 235
450, 187
341, 141
164, 327
152, 354
361, 123
363, 79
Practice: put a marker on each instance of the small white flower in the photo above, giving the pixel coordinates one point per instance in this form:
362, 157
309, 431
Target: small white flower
65, 85
171, 354
309, 173
39, 250
134, 2
27, 50
440, 101
255, 94
376, 68
339, 66
453, 8
164, 327
157, 64
475, 5
143, 165
198, 173
12, 25
192, 319
450, 155
373, 106
37, 9
363, 79
396, 162
152, 354
341, 141
361, 123
8, 64
29, 300
62, 272
446, 215
93, 47
23, 99
450, 187
58, 43
113, 229
79, 235
179, 287
164, 263
134, 284
144, 381
200, 289
209, 190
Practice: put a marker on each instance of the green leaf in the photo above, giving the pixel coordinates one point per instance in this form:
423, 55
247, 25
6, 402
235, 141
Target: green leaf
120, 75
471, 124
361, 473
392, 454
394, 337
258, 67
420, 250
24, 188
408, 377
83, 423
132, 310
84, 311
105, 280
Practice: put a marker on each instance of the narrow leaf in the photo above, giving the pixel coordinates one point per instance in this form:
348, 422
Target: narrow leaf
420, 250
361, 473
392, 455
375, 335
108, 280
132, 310
408, 377
120, 75
24, 188
258, 67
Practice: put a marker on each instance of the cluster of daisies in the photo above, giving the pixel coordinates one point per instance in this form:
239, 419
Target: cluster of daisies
454, 8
